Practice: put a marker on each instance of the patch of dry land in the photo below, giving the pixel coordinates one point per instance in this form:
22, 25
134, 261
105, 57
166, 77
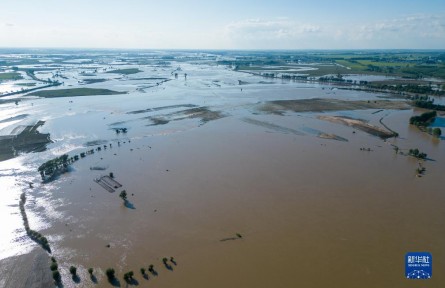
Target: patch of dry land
24, 138
360, 125
320, 105
27, 271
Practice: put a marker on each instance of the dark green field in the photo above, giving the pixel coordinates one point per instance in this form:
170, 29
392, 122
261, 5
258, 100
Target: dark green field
404, 64
74, 92
125, 71
10, 76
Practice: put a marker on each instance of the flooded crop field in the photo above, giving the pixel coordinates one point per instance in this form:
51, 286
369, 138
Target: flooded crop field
215, 173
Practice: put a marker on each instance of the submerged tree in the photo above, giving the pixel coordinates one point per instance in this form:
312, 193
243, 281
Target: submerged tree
54, 266
50, 167
73, 270
123, 195
128, 276
56, 276
110, 273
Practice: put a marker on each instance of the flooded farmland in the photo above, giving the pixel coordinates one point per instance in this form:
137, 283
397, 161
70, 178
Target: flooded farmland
244, 181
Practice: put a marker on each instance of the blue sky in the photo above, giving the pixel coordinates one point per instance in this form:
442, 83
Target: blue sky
197, 24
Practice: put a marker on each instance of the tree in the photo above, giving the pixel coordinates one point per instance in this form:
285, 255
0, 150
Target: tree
90, 270
73, 270
110, 273
54, 266
56, 276
437, 132
128, 276
422, 155
123, 195
143, 271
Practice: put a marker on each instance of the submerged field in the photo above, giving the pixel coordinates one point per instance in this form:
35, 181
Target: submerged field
73, 92
244, 180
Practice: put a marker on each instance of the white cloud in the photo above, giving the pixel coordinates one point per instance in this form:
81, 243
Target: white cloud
259, 33
416, 26
268, 30
414, 31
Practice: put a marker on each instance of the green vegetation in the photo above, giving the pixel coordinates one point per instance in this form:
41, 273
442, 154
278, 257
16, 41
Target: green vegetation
143, 271
406, 64
50, 167
123, 195
414, 65
92, 81
54, 266
73, 270
90, 271
416, 153
128, 276
74, 92
426, 103
56, 276
26, 84
110, 274
437, 132
119, 130
10, 76
424, 119
39, 238
125, 71
151, 268
409, 88
409, 70
34, 235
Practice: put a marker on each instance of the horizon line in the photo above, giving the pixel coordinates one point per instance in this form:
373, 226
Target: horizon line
223, 49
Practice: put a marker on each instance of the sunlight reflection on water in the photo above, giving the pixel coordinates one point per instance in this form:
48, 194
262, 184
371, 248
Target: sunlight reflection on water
13, 239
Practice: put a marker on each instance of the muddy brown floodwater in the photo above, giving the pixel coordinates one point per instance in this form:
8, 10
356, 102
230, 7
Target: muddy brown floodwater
269, 184
309, 212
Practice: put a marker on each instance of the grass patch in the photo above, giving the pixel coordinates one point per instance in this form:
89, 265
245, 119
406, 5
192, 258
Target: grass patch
125, 71
10, 76
74, 92
92, 81
26, 84
323, 70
